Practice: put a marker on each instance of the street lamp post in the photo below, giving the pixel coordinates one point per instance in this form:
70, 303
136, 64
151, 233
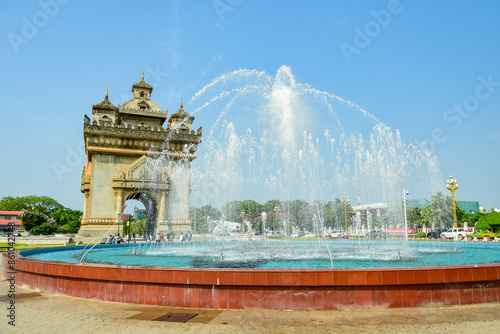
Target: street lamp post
136, 209
345, 200
452, 185
276, 215
405, 193
118, 223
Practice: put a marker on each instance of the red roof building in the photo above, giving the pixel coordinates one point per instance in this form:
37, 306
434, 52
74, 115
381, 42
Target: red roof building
9, 219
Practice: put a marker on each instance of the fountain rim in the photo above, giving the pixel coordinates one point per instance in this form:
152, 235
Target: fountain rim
226, 288
105, 265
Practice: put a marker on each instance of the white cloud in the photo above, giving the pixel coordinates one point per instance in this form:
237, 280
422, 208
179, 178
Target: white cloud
495, 135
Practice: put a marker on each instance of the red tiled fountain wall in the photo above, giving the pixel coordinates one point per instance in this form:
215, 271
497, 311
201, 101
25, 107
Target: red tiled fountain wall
265, 289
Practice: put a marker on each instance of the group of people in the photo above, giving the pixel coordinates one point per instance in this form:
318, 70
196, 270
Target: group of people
169, 237
185, 238
114, 239
160, 237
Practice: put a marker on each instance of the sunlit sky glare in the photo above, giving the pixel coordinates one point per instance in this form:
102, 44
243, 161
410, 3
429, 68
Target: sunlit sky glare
428, 68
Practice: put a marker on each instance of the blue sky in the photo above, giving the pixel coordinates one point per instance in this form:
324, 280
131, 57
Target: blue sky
427, 68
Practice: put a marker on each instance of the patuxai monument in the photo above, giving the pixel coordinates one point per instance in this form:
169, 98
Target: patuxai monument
132, 155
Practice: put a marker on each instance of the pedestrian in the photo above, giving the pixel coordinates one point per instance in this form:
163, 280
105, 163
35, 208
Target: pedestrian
181, 237
157, 239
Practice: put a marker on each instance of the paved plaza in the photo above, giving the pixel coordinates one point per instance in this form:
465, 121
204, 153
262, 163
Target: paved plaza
39, 312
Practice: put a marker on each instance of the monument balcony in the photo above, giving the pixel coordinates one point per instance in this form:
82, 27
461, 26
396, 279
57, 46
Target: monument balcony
155, 133
144, 112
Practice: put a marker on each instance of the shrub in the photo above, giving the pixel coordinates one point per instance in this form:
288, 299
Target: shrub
421, 235
45, 228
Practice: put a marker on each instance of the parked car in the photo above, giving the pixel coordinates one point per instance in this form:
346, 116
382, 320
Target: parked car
335, 234
482, 235
376, 234
310, 235
274, 234
454, 233
436, 233
345, 235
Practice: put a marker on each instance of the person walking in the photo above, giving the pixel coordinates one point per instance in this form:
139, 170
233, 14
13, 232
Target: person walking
181, 237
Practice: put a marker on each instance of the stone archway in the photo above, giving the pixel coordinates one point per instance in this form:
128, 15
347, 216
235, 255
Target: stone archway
151, 210
129, 152
148, 181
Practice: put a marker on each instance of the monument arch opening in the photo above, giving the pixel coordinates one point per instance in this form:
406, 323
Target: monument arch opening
132, 155
150, 211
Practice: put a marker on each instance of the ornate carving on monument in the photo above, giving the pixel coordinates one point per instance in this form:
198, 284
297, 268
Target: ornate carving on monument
117, 143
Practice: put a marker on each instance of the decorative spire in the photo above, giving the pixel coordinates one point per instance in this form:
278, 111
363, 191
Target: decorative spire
182, 106
142, 84
106, 97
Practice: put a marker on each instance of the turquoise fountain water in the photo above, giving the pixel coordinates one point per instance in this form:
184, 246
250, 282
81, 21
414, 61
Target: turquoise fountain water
279, 255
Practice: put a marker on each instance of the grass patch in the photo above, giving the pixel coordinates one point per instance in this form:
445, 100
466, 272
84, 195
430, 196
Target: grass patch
18, 246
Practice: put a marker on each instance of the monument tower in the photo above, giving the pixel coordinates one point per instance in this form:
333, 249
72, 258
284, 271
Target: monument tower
131, 155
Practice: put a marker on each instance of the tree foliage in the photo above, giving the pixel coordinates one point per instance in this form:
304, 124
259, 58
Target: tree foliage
43, 214
280, 215
44, 228
67, 220
335, 214
440, 212
489, 221
46, 204
199, 217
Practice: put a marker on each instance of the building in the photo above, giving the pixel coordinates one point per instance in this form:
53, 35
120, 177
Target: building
10, 222
132, 155
366, 213
470, 207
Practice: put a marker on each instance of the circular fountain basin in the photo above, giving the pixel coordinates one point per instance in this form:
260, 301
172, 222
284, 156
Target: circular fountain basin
365, 274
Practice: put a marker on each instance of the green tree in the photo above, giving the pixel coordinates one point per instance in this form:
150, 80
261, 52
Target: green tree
44, 228
32, 219
301, 215
138, 227
46, 204
67, 220
199, 217
414, 217
440, 212
489, 221
251, 210
335, 214
272, 209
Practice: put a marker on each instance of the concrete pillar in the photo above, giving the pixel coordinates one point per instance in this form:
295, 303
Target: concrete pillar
86, 205
162, 213
119, 201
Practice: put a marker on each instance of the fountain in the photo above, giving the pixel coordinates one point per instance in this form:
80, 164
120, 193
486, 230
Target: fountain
276, 138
